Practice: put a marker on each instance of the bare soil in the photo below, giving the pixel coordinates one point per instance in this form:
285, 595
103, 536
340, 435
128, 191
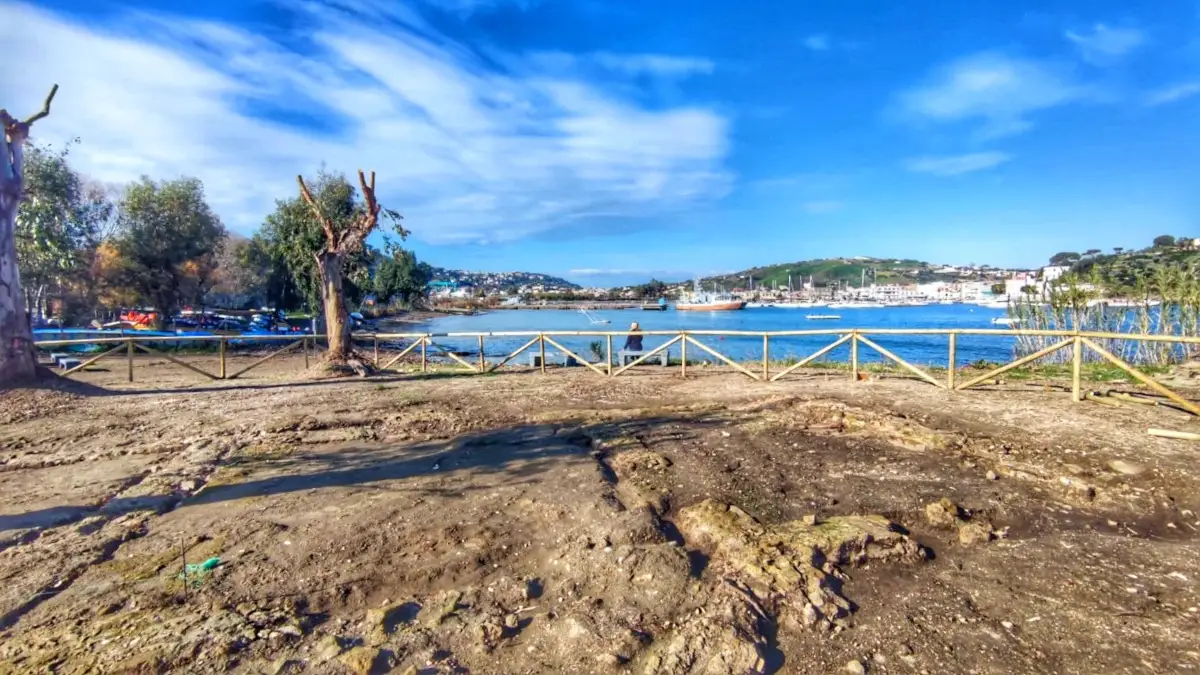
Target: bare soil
569, 523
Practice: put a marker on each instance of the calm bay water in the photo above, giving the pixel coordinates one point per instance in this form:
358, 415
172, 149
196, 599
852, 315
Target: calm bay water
921, 349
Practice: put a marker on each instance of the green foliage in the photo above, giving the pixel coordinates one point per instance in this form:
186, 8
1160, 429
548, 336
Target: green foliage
292, 236
651, 290
58, 224
998, 289
1164, 241
167, 238
836, 271
400, 277
1064, 258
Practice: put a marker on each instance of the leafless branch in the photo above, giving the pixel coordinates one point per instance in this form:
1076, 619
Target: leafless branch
45, 111
326, 224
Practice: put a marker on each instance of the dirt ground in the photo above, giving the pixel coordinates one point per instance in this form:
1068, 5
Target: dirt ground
569, 523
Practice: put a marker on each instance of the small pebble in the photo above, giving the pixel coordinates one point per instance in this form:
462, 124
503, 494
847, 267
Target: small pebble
991, 475
855, 667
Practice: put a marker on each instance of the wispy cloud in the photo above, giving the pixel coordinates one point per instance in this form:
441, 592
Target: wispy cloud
1174, 93
654, 64
823, 206
957, 164
817, 43
467, 150
999, 91
1103, 45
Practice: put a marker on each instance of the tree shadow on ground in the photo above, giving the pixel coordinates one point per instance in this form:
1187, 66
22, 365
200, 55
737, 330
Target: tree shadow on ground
519, 452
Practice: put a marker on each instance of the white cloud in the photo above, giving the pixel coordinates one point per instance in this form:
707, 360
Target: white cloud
654, 64
997, 90
957, 164
1174, 93
1104, 45
817, 43
825, 206
467, 151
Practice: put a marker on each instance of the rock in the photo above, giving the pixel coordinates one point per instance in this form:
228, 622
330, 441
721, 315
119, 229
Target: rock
365, 660
778, 560
1078, 488
286, 666
810, 519
856, 667
879, 657
511, 622
991, 475
971, 534
943, 513
1127, 468
188, 486
611, 660
327, 649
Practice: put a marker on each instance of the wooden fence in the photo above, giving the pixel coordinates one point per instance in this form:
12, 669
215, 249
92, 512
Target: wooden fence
422, 343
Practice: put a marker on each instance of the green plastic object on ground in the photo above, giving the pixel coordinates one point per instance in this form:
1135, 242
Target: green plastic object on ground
198, 570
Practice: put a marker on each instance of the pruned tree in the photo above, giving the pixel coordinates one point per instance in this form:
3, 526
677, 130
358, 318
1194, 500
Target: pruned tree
343, 237
17, 359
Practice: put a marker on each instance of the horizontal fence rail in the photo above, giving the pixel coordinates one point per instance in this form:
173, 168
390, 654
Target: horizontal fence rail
424, 345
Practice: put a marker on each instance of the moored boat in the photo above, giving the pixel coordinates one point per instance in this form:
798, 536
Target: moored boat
700, 301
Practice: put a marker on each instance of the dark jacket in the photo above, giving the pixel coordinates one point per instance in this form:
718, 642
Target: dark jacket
633, 343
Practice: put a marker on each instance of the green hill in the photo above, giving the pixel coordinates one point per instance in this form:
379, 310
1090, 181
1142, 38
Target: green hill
833, 271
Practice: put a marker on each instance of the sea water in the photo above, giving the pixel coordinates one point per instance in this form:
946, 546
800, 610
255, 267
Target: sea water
918, 349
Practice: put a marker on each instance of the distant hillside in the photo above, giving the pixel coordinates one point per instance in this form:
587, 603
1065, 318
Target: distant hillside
833, 271
1125, 272
502, 280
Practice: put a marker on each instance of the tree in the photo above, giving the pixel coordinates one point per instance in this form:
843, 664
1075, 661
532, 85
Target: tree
58, 226
1064, 258
399, 276
653, 289
1164, 241
167, 241
291, 238
18, 362
1090, 252
1117, 249
998, 289
240, 279
345, 227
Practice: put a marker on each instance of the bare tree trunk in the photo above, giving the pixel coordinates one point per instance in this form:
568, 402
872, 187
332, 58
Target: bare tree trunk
337, 324
17, 360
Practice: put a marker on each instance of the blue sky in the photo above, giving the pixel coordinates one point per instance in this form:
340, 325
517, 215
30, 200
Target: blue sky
609, 141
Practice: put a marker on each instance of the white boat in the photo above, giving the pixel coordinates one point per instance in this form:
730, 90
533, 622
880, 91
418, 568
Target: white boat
857, 305
1005, 321
823, 317
796, 305
700, 301
994, 304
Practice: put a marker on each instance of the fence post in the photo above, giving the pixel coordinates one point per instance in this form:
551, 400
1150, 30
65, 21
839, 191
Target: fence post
424, 361
1076, 367
129, 358
854, 355
542, 352
304, 344
482, 362
766, 357
610, 355
376, 350
221, 348
950, 364
683, 356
